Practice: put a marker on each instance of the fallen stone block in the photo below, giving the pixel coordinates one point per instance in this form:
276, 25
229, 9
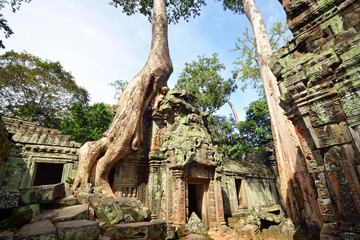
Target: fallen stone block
107, 209
196, 226
9, 198
76, 212
138, 230
17, 219
78, 230
42, 193
38, 230
66, 201
35, 208
6, 235
136, 209
193, 236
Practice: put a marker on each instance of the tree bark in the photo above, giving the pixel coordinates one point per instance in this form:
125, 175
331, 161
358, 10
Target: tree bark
283, 131
233, 110
125, 132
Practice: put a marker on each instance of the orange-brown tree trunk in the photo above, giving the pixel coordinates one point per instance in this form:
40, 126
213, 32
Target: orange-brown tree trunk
125, 133
285, 141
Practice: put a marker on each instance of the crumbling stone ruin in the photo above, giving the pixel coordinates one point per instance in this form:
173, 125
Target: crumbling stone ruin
177, 179
318, 76
37, 155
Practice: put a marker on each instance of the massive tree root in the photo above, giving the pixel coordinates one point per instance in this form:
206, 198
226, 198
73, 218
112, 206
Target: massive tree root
125, 132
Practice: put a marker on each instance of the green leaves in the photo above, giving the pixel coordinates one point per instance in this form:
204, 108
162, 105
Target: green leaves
175, 9
246, 66
36, 90
256, 129
203, 78
86, 123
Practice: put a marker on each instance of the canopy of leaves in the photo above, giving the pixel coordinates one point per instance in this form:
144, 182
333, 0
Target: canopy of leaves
256, 128
224, 134
246, 66
119, 86
175, 9
36, 90
15, 5
203, 78
86, 123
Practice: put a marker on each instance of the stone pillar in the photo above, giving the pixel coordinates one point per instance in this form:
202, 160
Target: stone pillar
179, 196
219, 200
154, 188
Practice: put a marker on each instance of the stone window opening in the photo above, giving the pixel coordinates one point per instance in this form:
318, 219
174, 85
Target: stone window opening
47, 173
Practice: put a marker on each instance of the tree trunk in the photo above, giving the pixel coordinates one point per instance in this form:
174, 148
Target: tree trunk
233, 111
125, 132
282, 129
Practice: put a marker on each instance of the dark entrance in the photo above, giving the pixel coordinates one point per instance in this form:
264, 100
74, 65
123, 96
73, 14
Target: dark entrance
48, 173
238, 187
193, 201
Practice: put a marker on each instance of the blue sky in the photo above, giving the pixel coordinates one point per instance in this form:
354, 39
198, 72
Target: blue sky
98, 44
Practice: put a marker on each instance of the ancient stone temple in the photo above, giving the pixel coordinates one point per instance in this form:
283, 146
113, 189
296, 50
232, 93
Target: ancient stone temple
319, 78
177, 171
37, 155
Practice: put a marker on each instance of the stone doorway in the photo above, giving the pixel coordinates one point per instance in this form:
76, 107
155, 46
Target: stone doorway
198, 199
47, 173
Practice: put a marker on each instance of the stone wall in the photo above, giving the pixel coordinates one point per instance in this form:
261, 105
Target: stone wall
319, 78
38, 156
4, 142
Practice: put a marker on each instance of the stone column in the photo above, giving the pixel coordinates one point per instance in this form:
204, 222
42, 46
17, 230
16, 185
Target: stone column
179, 196
219, 200
154, 188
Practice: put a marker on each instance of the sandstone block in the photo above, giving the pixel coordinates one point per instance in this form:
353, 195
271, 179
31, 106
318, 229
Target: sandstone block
67, 201
42, 194
107, 209
193, 236
9, 198
138, 230
38, 230
76, 212
78, 230
6, 235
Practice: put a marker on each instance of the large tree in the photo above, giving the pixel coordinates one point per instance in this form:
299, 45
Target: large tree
203, 77
125, 133
283, 131
36, 90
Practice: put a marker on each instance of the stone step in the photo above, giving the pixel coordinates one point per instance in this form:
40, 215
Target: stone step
76, 212
138, 230
38, 230
78, 230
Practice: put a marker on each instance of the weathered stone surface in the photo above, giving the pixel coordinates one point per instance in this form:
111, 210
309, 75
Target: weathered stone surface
4, 142
9, 198
42, 194
318, 76
67, 201
135, 209
138, 230
107, 209
193, 236
17, 219
6, 235
38, 230
78, 230
31, 148
76, 212
195, 225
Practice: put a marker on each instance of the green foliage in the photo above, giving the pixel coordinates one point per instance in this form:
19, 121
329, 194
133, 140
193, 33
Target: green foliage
119, 86
256, 129
246, 69
36, 90
15, 5
203, 78
224, 134
86, 123
175, 9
